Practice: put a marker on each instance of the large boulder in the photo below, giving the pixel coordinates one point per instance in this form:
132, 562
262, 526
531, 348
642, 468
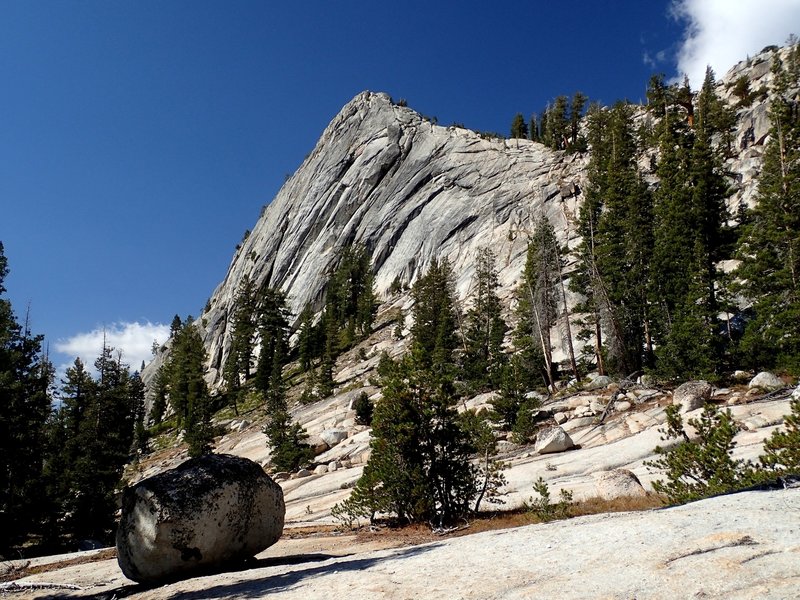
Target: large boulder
766, 381
553, 439
206, 513
617, 483
691, 395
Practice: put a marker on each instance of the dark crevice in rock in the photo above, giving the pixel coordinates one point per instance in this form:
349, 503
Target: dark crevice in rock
460, 227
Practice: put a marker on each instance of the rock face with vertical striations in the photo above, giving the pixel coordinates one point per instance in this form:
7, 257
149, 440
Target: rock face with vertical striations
208, 512
411, 191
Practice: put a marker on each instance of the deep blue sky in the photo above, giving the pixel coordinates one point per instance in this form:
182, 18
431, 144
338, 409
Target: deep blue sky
138, 140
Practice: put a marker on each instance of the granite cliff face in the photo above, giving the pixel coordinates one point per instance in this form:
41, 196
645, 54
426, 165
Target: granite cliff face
410, 190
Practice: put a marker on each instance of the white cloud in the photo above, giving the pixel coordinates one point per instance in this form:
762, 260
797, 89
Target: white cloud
134, 340
720, 33
655, 60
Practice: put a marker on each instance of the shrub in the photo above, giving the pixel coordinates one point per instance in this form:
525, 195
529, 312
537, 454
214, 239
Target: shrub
782, 449
543, 509
363, 407
703, 467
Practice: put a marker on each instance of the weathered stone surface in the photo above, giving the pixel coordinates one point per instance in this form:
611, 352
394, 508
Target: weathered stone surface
560, 418
766, 381
737, 546
622, 406
691, 395
618, 483
598, 405
754, 423
318, 445
209, 511
506, 446
552, 439
796, 393
577, 423
599, 382
333, 436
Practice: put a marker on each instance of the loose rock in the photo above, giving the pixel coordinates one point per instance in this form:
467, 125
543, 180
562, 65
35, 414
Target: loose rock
766, 381
208, 512
333, 436
622, 406
553, 439
691, 395
617, 483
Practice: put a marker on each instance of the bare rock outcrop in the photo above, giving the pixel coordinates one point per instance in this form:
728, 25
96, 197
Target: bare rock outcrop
208, 512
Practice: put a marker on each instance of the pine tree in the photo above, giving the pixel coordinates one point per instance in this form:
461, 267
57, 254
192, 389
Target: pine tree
175, 326
25, 377
782, 448
704, 466
160, 390
615, 226
285, 438
693, 235
537, 296
770, 244
306, 344
96, 423
533, 129
513, 408
273, 331
484, 327
137, 393
240, 354
419, 468
435, 318
188, 391
675, 226
519, 130
558, 128
350, 306
577, 143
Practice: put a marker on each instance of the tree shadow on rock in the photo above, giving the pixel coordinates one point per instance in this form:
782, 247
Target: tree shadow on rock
263, 585
285, 581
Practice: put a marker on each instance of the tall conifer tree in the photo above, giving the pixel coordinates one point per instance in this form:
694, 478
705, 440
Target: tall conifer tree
485, 327
770, 244
419, 468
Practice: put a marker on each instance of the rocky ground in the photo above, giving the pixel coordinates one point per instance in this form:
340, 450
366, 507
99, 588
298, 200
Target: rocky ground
744, 545
739, 546
612, 427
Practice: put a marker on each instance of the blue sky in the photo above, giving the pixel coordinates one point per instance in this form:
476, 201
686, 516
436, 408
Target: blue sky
138, 140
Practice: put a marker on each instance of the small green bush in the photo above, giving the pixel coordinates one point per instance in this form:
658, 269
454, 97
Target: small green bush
543, 509
702, 467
